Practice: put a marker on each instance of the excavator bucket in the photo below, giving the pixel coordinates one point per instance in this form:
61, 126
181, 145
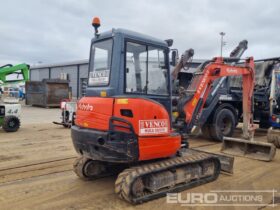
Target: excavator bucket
249, 149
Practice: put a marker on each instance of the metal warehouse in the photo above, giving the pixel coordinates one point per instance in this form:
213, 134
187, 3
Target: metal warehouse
76, 72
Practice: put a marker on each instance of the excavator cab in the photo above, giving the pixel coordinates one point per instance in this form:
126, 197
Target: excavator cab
128, 99
130, 64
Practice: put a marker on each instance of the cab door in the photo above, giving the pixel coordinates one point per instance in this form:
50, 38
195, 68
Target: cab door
147, 72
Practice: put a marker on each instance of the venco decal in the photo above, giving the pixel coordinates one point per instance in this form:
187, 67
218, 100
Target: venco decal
157, 126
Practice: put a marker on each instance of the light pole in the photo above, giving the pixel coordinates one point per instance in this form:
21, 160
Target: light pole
222, 42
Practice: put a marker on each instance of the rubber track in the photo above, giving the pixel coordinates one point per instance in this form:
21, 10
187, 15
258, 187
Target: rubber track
78, 169
273, 136
127, 177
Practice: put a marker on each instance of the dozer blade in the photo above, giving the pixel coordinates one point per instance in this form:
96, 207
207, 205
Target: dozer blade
225, 160
249, 149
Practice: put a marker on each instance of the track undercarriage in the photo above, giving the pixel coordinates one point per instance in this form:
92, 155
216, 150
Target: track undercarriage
152, 180
273, 136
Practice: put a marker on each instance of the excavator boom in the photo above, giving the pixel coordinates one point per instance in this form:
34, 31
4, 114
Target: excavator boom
184, 60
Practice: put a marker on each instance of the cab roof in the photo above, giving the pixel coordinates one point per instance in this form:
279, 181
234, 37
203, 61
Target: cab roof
131, 35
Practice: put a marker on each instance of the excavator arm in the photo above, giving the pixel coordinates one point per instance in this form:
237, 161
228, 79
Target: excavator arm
239, 50
184, 60
201, 85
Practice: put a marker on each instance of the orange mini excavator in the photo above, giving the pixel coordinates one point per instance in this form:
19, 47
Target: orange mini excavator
124, 121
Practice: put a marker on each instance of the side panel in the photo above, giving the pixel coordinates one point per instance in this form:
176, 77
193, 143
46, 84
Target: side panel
158, 147
12, 109
151, 124
148, 117
94, 112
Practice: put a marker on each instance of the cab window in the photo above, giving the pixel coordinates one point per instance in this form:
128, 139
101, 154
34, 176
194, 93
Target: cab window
100, 64
146, 70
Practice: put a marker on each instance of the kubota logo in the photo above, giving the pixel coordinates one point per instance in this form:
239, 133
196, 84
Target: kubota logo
231, 71
85, 107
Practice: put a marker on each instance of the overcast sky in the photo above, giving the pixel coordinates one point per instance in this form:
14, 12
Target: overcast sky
60, 30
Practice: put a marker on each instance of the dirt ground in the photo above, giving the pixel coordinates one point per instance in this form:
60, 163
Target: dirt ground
36, 171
